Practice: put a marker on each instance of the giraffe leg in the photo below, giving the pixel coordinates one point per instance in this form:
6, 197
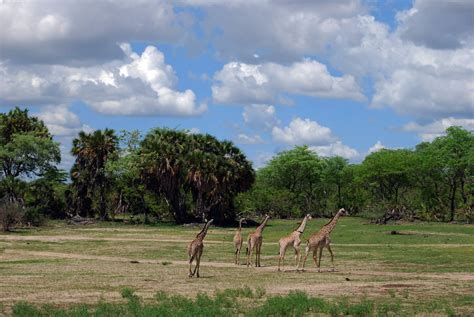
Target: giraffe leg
198, 263
305, 257
281, 258
332, 257
297, 257
315, 257
319, 259
191, 259
237, 256
249, 254
257, 256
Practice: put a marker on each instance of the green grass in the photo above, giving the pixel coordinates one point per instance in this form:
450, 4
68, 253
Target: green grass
61, 264
236, 302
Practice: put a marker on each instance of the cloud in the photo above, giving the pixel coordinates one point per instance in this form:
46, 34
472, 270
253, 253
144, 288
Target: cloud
262, 159
429, 132
438, 24
243, 138
265, 83
303, 132
260, 116
64, 125
376, 147
84, 32
61, 122
137, 85
335, 149
281, 31
413, 80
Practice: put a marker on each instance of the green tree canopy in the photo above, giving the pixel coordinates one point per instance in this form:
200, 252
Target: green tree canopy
26, 148
92, 151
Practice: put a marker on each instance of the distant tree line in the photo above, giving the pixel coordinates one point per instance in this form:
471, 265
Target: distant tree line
434, 181
183, 177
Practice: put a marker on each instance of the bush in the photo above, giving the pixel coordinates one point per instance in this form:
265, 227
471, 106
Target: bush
10, 215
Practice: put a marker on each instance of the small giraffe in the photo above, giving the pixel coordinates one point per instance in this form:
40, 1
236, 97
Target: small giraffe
195, 249
292, 240
255, 240
320, 240
238, 241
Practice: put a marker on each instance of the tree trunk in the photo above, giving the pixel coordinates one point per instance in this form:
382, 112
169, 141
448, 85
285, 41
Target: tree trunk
178, 208
102, 204
339, 196
453, 198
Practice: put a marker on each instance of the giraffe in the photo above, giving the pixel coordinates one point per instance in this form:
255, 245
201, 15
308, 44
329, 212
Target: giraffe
255, 240
320, 240
238, 241
292, 240
195, 249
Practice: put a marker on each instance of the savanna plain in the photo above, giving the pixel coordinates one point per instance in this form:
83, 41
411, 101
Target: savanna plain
141, 270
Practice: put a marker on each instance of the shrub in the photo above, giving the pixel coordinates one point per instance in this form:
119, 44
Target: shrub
10, 215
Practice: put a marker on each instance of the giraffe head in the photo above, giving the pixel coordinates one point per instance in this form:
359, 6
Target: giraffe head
343, 212
308, 217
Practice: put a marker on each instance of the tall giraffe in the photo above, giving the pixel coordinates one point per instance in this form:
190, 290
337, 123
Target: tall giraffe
320, 240
195, 249
238, 241
292, 240
255, 240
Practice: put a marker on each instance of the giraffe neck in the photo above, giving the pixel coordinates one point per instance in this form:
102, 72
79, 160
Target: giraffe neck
302, 225
202, 234
262, 225
330, 226
240, 224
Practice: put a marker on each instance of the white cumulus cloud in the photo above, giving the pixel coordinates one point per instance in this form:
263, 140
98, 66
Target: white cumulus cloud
335, 149
243, 138
303, 132
266, 83
429, 132
136, 85
260, 116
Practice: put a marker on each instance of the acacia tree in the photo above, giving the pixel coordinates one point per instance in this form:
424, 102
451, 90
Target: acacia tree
336, 173
299, 173
26, 149
92, 151
446, 166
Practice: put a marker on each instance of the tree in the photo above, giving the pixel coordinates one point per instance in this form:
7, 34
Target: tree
453, 157
26, 149
217, 172
388, 173
129, 193
299, 172
92, 151
163, 155
183, 167
336, 173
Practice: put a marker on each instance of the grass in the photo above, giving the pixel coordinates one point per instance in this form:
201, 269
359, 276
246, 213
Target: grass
64, 265
234, 302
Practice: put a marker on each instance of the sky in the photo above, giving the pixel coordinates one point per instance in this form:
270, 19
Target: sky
345, 77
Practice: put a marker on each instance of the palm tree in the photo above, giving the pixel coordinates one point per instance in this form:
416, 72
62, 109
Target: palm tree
163, 157
92, 150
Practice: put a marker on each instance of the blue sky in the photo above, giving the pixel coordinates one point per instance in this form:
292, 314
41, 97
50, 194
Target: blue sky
343, 77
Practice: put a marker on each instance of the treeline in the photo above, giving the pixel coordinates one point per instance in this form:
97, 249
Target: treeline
183, 177
434, 181
167, 174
